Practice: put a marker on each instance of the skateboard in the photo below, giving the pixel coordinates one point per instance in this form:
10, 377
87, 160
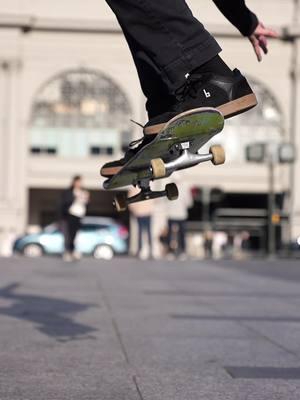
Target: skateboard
174, 148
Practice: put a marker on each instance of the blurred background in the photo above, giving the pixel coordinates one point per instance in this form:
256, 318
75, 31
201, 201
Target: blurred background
68, 89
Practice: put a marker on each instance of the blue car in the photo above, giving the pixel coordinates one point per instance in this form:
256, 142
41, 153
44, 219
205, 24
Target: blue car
99, 237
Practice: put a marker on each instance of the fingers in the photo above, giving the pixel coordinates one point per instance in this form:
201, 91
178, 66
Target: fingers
256, 47
263, 43
261, 30
259, 39
269, 33
258, 52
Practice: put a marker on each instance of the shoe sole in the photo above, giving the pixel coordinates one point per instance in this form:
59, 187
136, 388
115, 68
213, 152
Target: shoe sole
228, 110
110, 171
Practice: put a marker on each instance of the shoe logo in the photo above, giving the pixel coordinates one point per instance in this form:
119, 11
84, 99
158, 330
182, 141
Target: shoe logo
206, 93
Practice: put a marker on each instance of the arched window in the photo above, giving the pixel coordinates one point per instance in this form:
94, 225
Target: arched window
264, 123
80, 113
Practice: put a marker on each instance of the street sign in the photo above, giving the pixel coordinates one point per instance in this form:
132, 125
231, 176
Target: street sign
286, 153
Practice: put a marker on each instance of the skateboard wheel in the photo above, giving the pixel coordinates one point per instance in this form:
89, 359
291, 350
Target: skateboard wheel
218, 154
172, 191
120, 202
158, 168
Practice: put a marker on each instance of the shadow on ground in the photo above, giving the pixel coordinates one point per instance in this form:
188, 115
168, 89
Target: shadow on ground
53, 317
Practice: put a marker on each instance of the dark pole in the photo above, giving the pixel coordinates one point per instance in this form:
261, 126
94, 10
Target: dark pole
294, 75
271, 208
205, 206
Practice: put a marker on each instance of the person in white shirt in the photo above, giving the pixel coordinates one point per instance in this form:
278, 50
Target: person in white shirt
73, 209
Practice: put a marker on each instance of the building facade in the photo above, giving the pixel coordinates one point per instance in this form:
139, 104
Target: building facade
68, 89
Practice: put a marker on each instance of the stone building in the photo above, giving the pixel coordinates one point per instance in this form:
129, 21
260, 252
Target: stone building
68, 88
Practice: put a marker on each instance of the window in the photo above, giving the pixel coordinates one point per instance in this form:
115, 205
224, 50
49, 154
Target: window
80, 113
92, 227
97, 150
43, 150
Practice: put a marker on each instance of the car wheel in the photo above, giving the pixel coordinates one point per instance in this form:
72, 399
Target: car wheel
103, 252
33, 250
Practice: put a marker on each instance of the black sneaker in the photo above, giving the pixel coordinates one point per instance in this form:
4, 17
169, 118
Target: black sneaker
111, 168
231, 95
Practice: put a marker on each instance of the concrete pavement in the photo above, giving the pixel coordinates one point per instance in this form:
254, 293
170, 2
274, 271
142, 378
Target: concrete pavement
149, 330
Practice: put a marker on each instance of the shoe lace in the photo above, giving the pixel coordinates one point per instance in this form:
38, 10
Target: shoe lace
135, 143
137, 123
189, 88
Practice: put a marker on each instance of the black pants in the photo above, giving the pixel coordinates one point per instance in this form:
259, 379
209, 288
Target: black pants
144, 225
166, 42
70, 227
176, 236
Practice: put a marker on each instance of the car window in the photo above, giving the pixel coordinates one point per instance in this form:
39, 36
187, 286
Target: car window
92, 227
53, 228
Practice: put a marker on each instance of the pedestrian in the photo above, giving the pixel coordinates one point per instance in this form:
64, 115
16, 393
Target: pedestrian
177, 214
73, 208
208, 237
142, 212
179, 65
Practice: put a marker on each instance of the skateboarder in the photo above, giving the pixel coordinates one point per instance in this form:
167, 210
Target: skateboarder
178, 62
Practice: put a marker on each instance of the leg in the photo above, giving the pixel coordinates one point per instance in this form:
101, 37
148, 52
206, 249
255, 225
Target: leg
149, 233
173, 236
140, 235
166, 37
176, 229
168, 44
66, 233
74, 227
157, 93
169, 235
145, 229
181, 233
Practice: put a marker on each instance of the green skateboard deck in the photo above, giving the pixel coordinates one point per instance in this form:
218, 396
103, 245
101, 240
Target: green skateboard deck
195, 127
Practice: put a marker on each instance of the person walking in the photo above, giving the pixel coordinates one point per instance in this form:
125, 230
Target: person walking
179, 65
73, 208
142, 212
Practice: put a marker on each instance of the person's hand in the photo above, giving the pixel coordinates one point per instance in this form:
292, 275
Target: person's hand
259, 39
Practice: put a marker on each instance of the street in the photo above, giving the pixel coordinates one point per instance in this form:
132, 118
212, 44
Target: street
153, 330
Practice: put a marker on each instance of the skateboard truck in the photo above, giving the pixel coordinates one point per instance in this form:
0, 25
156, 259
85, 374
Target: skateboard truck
159, 169
121, 201
186, 159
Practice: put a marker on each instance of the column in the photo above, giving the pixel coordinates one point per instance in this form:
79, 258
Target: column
12, 156
296, 138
